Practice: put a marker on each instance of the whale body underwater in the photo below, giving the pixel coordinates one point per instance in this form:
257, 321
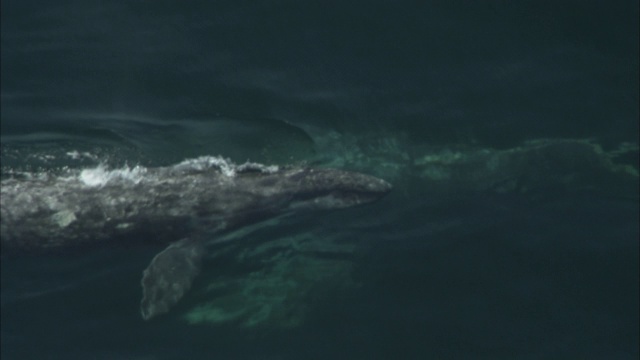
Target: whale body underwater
181, 205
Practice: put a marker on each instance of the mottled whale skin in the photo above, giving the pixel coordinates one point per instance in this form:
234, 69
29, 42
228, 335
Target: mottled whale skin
165, 204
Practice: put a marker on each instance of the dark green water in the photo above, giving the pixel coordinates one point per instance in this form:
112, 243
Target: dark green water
509, 131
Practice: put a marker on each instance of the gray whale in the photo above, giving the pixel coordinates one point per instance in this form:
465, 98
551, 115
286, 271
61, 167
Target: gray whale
196, 198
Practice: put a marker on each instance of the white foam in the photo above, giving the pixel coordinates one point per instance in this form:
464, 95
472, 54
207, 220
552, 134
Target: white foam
226, 166
76, 155
264, 168
100, 176
205, 162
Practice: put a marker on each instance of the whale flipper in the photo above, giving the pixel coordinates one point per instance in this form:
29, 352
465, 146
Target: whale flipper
169, 276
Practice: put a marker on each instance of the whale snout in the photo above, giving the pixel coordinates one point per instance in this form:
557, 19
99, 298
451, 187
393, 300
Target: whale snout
366, 189
353, 182
378, 186
332, 188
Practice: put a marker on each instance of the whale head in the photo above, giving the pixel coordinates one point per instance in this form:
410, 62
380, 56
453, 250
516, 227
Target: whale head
333, 189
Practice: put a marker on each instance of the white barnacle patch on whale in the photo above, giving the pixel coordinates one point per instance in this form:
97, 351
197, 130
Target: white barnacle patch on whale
63, 218
124, 226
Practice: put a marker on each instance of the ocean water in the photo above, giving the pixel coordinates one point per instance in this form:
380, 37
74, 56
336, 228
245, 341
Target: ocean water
509, 131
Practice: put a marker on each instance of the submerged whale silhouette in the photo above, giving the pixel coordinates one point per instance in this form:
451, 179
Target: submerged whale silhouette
197, 198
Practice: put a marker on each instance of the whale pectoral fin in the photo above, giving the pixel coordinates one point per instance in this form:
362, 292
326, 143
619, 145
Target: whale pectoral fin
169, 276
